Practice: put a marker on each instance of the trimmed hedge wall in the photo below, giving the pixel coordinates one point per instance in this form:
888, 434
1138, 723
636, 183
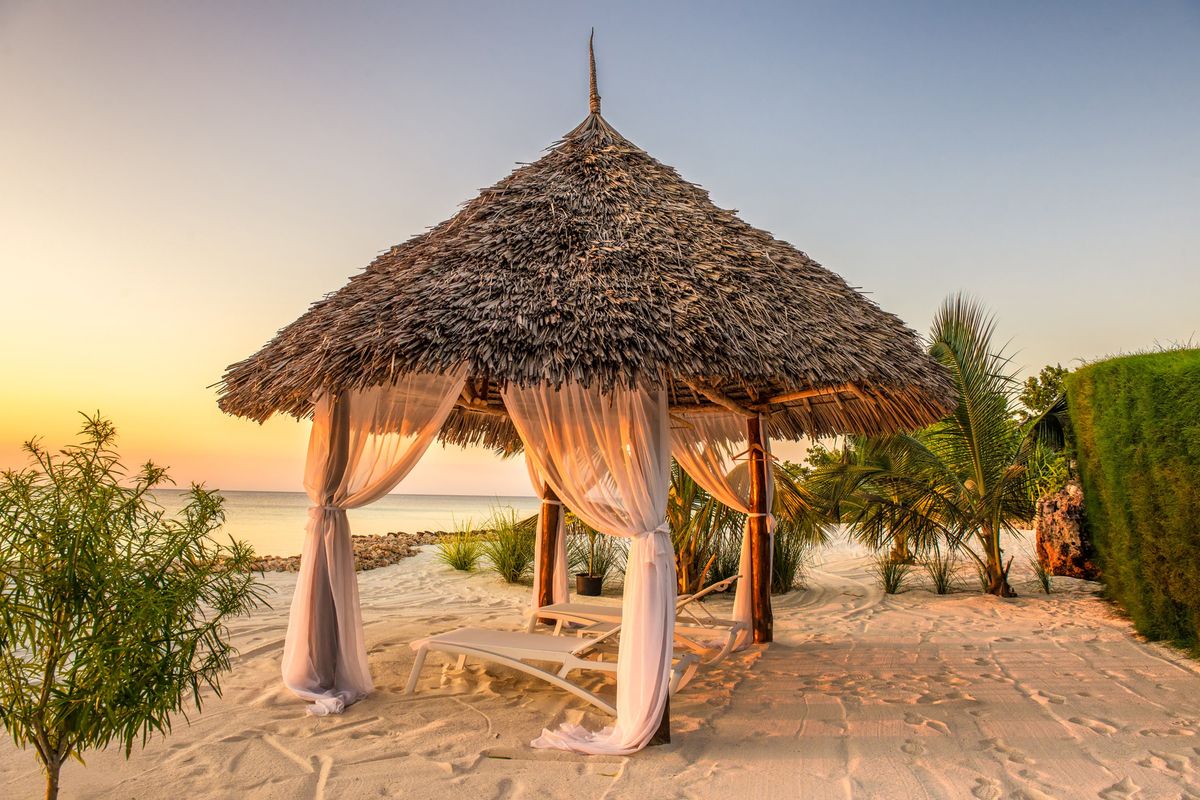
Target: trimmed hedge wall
1136, 422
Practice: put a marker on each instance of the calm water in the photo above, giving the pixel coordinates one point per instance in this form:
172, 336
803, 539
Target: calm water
273, 522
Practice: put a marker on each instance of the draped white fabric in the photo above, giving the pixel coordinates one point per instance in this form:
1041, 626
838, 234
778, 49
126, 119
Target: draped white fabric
361, 445
561, 587
608, 458
712, 448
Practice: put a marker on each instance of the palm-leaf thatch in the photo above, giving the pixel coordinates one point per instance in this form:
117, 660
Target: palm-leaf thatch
598, 264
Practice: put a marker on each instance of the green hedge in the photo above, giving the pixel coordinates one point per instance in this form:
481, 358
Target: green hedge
1137, 429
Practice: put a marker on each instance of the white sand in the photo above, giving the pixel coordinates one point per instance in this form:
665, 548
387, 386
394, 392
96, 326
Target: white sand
861, 696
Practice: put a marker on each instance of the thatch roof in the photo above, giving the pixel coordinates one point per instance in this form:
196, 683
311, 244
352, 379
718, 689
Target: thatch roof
601, 265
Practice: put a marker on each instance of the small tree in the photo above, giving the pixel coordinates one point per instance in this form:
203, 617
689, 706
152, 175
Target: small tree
1049, 465
112, 615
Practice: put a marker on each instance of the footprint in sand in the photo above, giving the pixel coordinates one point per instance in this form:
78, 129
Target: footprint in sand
1099, 726
1120, 790
997, 745
933, 724
1165, 762
912, 747
986, 789
1050, 697
1183, 730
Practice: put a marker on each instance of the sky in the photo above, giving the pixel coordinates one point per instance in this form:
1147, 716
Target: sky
180, 180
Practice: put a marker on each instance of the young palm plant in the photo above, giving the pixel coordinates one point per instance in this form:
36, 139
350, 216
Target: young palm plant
963, 481
708, 534
700, 527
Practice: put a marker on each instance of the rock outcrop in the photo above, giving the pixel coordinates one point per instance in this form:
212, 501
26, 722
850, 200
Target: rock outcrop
1063, 547
370, 552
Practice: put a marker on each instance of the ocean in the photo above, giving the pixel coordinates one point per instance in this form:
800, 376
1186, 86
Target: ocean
273, 522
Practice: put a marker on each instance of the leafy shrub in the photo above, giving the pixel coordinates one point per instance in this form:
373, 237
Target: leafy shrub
892, 574
461, 549
113, 616
1136, 421
509, 547
941, 565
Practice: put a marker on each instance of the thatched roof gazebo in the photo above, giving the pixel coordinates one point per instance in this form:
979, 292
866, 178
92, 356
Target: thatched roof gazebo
599, 267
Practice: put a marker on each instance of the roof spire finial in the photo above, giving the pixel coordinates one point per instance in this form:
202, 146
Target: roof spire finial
594, 96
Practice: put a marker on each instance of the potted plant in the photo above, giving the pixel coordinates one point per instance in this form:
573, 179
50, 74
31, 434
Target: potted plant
591, 583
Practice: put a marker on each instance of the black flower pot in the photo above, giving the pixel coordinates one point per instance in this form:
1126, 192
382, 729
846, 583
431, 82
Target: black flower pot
588, 585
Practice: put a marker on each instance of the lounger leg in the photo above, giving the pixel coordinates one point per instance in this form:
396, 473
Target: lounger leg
416, 671
731, 641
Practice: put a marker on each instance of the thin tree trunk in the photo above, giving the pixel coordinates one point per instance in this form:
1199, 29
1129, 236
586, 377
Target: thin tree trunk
52, 773
997, 571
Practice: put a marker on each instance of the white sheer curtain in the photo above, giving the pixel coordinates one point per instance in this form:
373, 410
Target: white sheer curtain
361, 445
712, 448
561, 587
608, 457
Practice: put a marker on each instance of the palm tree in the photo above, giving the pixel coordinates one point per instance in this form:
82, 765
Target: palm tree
963, 480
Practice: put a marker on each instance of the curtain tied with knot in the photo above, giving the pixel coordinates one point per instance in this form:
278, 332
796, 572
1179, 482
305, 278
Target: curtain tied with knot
608, 457
361, 446
711, 447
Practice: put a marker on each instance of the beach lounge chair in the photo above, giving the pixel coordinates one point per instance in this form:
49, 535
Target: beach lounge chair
710, 636
516, 649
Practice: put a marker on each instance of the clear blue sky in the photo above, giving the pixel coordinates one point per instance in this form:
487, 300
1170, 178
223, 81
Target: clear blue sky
181, 179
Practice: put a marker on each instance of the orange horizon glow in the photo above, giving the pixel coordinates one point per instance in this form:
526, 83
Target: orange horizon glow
182, 180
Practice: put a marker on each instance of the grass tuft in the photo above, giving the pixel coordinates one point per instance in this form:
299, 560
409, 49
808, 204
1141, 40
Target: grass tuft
892, 574
461, 549
509, 547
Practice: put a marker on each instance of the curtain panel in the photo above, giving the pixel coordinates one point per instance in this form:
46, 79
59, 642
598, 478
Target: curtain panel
361, 446
711, 447
561, 586
608, 457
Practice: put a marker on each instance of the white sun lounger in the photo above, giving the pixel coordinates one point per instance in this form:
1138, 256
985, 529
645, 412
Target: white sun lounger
694, 631
516, 648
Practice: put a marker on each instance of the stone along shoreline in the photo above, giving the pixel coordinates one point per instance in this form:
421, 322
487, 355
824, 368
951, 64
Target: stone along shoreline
370, 551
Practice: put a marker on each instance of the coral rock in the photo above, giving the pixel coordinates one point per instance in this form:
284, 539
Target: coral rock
1063, 546
370, 552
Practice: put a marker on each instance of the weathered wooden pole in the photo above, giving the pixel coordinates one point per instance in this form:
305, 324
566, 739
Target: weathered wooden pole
760, 537
548, 546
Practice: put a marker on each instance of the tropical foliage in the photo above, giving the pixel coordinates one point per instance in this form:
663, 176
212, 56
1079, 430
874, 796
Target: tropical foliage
959, 483
591, 552
112, 615
707, 534
703, 531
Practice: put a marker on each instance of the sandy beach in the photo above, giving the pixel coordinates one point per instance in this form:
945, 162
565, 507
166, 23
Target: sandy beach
861, 695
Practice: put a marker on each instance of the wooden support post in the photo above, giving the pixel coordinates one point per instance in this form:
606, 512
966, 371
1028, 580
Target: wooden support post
760, 537
663, 734
548, 541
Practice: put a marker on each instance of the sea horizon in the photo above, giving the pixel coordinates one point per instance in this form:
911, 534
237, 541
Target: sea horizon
273, 522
